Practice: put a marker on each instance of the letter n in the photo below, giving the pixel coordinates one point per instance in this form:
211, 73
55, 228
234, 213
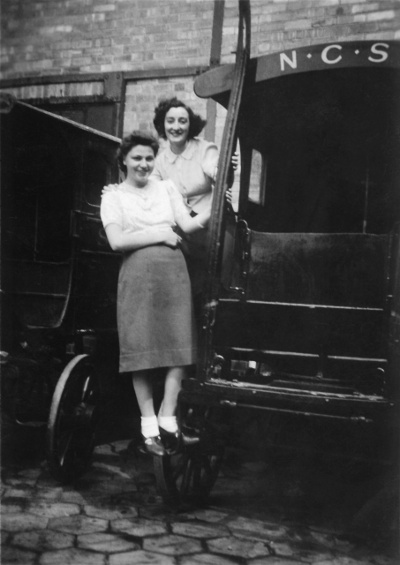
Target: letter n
291, 62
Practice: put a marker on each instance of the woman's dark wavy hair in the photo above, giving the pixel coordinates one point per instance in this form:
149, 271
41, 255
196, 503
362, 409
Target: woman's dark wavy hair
196, 122
135, 138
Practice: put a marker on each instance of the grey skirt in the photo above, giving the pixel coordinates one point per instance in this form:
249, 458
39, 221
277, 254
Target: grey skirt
156, 324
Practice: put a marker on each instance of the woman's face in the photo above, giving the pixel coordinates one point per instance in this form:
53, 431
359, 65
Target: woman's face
139, 163
177, 125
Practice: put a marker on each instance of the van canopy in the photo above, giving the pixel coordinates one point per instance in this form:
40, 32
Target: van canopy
325, 118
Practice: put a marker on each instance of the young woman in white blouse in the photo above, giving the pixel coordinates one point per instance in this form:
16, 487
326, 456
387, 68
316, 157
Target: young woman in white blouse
188, 160
191, 162
156, 325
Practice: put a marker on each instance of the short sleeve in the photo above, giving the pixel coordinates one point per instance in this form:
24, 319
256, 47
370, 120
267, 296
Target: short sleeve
110, 209
209, 162
177, 202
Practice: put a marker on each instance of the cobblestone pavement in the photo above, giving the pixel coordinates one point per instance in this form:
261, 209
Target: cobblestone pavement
114, 516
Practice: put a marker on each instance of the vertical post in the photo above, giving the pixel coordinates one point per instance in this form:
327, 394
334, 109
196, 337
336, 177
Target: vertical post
216, 228
216, 38
215, 59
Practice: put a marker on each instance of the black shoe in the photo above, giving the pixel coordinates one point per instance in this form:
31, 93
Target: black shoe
171, 441
152, 446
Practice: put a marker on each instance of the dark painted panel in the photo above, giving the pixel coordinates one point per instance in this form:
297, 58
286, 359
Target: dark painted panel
329, 331
333, 269
95, 291
45, 184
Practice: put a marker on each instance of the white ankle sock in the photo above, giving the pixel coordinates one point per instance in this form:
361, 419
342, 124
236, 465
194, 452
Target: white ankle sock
149, 426
168, 423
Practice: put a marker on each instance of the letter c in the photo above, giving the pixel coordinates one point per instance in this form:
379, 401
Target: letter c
324, 55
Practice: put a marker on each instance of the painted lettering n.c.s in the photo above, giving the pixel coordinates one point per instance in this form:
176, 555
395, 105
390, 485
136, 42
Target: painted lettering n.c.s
333, 54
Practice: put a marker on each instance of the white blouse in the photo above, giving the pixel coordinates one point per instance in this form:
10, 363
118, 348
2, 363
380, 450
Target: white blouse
158, 205
193, 171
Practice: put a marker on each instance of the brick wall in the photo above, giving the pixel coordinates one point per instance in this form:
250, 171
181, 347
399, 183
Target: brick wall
57, 37
142, 96
282, 24
54, 38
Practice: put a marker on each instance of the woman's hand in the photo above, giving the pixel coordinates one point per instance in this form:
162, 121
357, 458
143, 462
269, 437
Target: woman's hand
172, 239
109, 188
235, 161
231, 174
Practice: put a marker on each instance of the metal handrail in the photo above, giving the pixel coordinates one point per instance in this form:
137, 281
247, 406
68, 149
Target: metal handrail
211, 287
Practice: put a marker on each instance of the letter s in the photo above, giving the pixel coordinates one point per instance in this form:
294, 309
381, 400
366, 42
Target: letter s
376, 51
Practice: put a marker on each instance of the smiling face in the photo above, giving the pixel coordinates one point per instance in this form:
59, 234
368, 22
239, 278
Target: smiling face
139, 164
176, 126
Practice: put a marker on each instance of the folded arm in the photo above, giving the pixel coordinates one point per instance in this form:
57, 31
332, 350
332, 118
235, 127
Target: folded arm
130, 241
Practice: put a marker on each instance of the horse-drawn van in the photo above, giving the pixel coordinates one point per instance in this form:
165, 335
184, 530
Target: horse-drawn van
301, 313
301, 310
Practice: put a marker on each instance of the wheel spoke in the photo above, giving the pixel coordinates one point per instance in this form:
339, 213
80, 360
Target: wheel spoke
177, 465
207, 468
63, 451
186, 478
197, 476
85, 388
190, 474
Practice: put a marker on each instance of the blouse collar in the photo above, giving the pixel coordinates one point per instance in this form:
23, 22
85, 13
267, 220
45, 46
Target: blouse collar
187, 153
127, 187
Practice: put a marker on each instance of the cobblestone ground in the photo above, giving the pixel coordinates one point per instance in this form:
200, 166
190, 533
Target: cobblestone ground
114, 516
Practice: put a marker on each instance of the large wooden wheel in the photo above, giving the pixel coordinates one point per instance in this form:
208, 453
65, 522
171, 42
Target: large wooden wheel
189, 475
71, 424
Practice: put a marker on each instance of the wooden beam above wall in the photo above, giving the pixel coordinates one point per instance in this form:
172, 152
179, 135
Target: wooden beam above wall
215, 60
216, 38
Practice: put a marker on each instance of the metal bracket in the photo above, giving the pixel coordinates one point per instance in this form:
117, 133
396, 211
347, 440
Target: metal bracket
244, 241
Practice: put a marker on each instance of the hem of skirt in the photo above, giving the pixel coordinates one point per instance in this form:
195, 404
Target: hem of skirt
156, 359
